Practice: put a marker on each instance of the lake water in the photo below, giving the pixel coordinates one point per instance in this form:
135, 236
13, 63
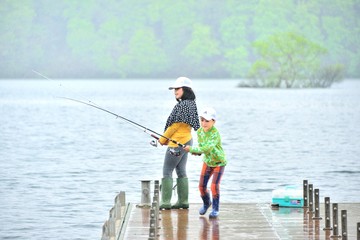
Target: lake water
62, 163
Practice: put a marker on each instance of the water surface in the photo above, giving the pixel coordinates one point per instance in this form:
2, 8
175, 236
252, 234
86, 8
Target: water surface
62, 163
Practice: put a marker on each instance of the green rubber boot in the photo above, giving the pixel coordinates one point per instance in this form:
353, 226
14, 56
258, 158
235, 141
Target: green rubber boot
183, 194
166, 192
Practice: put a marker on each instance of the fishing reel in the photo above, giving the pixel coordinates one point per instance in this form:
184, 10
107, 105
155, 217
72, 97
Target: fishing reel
153, 143
174, 151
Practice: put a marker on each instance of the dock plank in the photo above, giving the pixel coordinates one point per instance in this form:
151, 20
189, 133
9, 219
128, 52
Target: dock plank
238, 221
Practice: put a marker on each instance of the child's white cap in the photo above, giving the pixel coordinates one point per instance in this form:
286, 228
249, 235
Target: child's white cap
181, 82
208, 113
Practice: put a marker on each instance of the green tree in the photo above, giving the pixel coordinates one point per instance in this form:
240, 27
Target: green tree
144, 56
201, 38
235, 61
286, 59
272, 16
110, 46
173, 22
326, 76
234, 42
17, 37
81, 36
201, 49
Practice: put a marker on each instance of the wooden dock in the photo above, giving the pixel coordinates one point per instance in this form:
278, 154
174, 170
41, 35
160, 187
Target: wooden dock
237, 221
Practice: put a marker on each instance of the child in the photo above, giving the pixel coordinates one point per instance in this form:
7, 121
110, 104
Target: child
209, 144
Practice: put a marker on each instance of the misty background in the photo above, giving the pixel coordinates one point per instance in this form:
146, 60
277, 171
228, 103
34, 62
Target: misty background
165, 39
63, 163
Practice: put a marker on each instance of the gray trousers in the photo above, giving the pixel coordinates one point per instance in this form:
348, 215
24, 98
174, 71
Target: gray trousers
172, 162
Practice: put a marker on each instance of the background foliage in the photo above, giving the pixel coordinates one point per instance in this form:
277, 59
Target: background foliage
290, 60
163, 38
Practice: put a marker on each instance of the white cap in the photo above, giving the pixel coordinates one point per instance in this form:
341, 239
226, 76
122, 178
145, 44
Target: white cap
208, 113
181, 82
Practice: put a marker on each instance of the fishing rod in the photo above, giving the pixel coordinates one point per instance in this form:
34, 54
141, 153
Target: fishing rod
139, 126
152, 133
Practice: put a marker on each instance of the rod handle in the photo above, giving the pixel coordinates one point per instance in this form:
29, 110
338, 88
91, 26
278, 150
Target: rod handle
156, 137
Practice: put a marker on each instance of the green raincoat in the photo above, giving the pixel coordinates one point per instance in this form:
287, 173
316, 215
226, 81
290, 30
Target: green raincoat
210, 146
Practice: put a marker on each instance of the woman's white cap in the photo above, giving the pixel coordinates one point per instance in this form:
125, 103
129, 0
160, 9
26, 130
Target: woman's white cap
208, 113
181, 82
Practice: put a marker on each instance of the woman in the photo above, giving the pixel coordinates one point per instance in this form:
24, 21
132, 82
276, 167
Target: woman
178, 127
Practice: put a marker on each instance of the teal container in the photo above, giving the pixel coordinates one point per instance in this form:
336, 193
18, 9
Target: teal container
288, 196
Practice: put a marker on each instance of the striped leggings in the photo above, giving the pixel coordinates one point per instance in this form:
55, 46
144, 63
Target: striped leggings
206, 173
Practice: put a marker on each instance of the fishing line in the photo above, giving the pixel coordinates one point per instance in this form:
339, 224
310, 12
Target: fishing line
64, 87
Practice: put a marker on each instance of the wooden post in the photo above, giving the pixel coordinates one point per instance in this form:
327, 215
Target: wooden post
155, 206
335, 221
153, 227
118, 207
344, 233
145, 196
156, 197
157, 200
154, 213
317, 205
156, 188
122, 198
305, 193
327, 214
105, 231
112, 228
311, 203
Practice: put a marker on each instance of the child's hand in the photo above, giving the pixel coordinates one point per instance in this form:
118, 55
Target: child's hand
187, 148
196, 154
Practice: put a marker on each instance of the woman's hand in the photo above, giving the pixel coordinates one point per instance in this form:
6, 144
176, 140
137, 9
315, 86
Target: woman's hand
163, 143
187, 148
